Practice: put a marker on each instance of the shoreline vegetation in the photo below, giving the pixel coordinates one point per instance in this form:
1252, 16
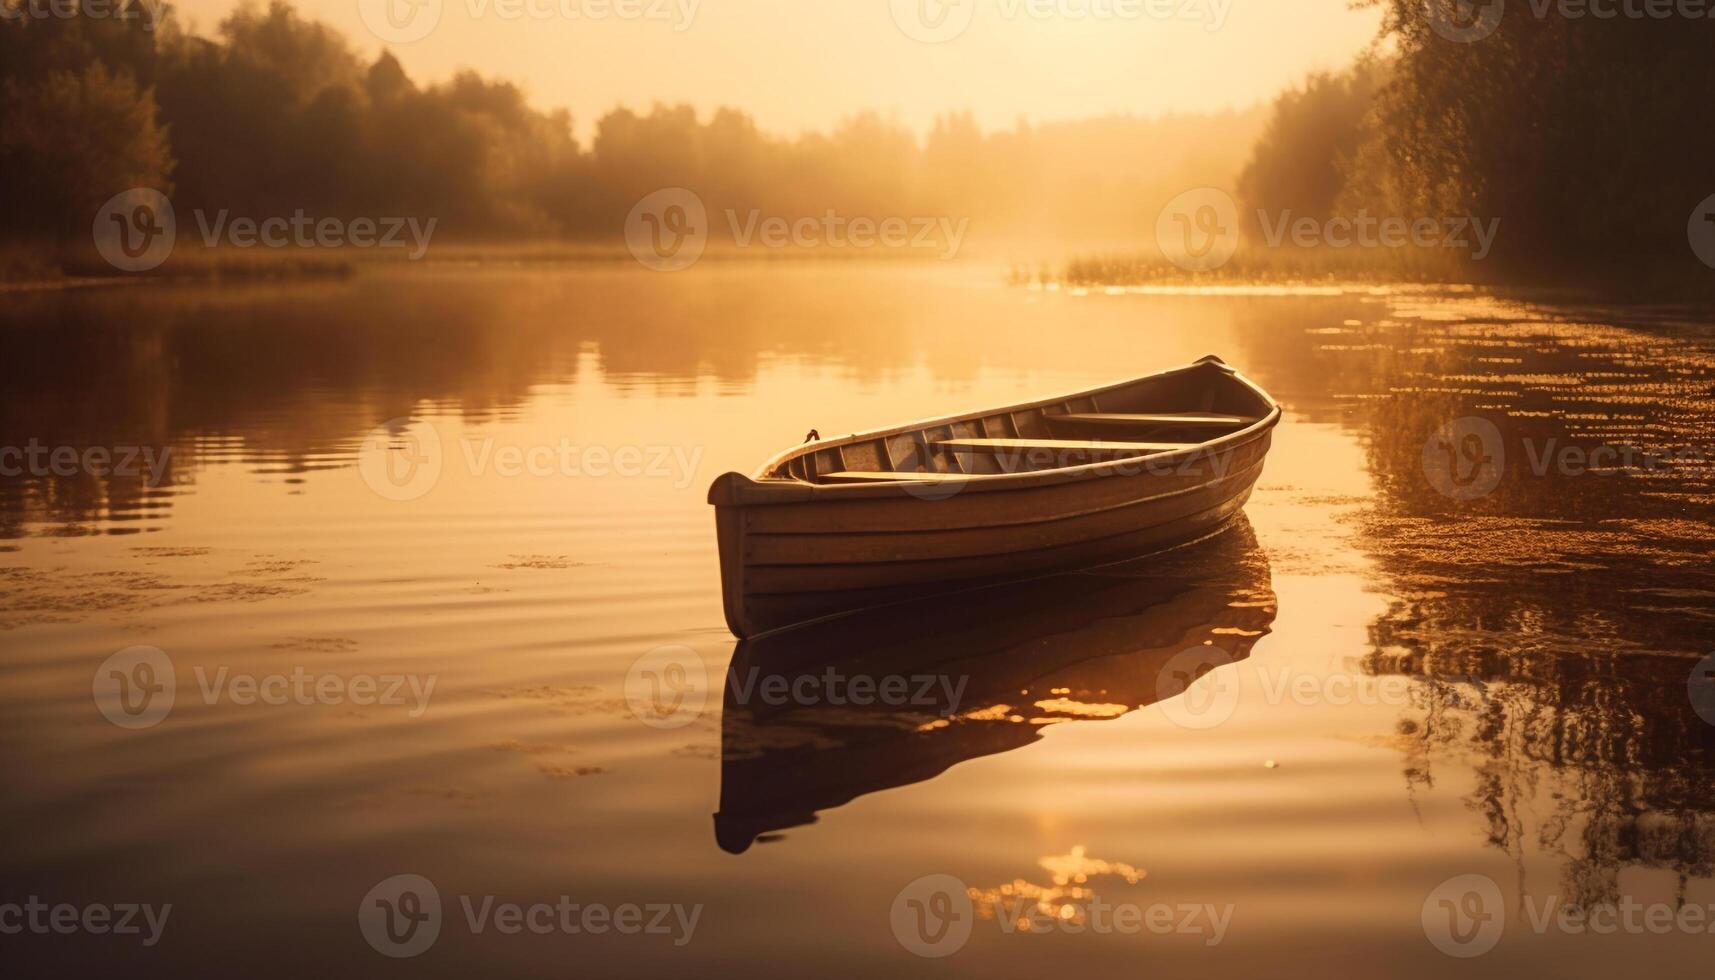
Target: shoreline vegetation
1113, 271
1567, 182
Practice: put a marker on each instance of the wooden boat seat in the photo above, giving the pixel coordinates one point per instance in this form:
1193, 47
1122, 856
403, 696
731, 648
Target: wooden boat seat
1006, 446
861, 476
1190, 420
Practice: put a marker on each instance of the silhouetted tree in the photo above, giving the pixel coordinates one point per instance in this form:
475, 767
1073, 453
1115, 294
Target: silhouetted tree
1305, 156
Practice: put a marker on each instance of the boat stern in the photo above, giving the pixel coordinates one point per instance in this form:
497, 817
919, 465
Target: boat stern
728, 494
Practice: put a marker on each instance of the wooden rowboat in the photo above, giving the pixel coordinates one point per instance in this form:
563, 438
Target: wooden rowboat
991, 496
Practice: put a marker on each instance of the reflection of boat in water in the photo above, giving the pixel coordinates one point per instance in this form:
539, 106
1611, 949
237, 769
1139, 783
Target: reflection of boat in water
1086, 645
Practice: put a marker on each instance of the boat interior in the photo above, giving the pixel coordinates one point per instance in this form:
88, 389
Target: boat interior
1159, 414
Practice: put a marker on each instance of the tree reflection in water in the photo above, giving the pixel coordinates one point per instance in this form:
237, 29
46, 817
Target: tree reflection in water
1552, 624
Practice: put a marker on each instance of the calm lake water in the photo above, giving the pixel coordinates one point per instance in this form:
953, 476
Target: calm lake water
1442, 647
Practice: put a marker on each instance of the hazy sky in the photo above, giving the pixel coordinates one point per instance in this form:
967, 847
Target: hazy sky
798, 64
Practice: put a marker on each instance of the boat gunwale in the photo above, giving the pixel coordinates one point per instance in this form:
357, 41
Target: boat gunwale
1252, 470
737, 490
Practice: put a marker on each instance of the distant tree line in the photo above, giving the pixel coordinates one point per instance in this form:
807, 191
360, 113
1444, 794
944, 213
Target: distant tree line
277, 113
1590, 139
